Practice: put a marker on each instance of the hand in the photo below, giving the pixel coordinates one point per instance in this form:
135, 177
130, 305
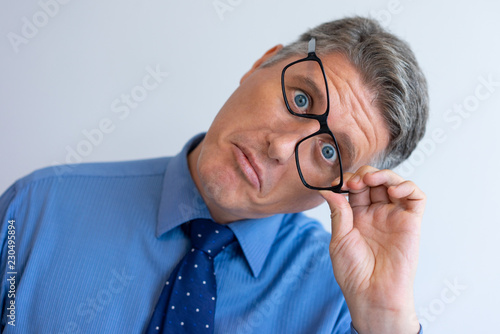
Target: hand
374, 248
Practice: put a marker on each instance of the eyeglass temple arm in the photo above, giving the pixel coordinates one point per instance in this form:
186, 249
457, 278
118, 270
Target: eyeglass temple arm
312, 45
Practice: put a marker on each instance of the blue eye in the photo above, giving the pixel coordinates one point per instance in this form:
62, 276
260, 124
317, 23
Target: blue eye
328, 152
301, 100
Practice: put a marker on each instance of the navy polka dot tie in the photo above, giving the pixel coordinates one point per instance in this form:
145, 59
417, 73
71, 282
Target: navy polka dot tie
187, 302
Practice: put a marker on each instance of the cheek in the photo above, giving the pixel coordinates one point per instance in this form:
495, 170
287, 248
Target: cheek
308, 201
216, 177
297, 198
254, 102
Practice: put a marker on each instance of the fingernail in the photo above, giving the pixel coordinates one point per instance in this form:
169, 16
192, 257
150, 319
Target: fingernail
355, 179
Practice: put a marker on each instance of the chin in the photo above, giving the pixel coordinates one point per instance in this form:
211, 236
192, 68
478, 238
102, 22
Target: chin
227, 199
216, 181
221, 189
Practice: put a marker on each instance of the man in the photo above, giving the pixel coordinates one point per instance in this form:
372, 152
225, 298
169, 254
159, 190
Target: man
107, 248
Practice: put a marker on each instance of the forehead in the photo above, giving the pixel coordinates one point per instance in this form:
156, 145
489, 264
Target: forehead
354, 118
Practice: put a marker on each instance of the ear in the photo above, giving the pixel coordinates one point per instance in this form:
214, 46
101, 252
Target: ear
269, 53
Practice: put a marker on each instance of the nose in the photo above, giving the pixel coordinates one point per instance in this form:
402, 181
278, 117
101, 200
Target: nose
282, 147
282, 144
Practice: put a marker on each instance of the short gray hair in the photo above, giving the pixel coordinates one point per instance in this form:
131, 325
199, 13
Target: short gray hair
388, 68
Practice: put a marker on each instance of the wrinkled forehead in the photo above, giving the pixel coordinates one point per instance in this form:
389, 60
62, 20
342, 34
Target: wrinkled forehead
355, 118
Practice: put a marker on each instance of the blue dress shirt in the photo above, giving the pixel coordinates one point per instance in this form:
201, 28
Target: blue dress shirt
95, 243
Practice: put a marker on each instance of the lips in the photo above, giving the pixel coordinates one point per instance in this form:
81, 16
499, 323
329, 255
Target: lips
248, 165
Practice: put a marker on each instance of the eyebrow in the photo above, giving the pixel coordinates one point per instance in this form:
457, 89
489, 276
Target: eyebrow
346, 147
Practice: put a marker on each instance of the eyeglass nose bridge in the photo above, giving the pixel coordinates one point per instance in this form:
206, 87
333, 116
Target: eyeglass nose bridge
323, 122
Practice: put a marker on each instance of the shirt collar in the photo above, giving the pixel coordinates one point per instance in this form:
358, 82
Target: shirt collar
181, 202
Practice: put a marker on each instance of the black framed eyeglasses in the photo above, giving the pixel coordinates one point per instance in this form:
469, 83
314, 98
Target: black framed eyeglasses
305, 91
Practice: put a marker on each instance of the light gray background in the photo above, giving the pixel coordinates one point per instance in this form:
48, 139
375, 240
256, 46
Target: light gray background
63, 79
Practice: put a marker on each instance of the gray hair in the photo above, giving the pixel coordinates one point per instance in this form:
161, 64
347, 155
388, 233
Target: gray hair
388, 68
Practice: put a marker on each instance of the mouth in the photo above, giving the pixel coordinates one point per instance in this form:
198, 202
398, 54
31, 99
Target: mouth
248, 166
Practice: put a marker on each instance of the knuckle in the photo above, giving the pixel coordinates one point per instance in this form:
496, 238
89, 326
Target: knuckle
410, 183
347, 176
365, 169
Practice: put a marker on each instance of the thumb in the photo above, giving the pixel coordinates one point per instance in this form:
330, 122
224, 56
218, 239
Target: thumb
341, 214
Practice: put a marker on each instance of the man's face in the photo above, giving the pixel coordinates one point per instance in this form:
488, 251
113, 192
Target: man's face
245, 167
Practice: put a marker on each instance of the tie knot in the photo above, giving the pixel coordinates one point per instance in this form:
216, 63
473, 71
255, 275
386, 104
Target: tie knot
209, 236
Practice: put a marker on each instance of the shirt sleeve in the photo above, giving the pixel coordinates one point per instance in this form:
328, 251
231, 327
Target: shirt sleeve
353, 331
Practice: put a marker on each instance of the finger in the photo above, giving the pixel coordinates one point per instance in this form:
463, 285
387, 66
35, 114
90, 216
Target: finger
356, 180
341, 214
346, 176
374, 185
379, 194
384, 177
407, 192
359, 192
